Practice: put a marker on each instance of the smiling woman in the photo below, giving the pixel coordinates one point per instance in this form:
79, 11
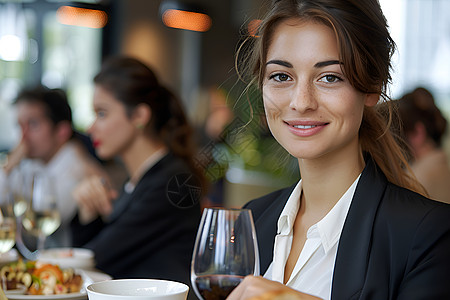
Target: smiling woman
323, 67
308, 99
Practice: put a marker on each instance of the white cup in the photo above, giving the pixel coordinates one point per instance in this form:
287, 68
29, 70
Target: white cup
137, 289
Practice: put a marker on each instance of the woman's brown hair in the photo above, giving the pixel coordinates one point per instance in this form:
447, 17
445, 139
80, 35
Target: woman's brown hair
134, 83
366, 48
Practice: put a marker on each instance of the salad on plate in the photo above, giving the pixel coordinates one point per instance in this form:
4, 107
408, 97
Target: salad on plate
39, 278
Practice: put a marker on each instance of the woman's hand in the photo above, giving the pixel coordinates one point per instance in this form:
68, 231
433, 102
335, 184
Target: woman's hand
94, 197
259, 288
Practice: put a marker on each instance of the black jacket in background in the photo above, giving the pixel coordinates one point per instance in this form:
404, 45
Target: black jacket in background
147, 236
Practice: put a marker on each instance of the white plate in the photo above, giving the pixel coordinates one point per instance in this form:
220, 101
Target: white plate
8, 257
88, 278
68, 257
19, 291
71, 296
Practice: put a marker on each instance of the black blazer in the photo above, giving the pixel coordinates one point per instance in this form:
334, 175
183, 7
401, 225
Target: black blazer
149, 234
395, 244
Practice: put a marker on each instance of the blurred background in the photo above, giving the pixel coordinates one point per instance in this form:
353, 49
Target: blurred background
191, 44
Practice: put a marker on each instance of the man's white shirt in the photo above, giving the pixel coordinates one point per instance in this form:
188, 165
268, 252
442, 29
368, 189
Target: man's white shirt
66, 169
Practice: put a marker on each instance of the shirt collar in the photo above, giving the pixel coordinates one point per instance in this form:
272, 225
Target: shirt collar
329, 228
67, 152
145, 166
287, 217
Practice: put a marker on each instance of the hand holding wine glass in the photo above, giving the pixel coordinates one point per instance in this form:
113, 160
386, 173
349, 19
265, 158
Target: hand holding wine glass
42, 216
225, 252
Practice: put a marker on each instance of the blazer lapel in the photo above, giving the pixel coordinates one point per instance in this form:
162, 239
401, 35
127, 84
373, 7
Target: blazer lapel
266, 224
355, 241
125, 199
120, 205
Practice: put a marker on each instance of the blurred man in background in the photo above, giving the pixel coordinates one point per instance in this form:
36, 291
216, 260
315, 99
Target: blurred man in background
49, 145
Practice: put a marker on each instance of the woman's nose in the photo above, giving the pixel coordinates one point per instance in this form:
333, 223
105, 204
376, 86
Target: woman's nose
90, 129
303, 98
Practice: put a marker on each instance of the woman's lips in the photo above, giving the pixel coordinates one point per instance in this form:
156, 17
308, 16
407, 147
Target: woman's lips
96, 143
305, 128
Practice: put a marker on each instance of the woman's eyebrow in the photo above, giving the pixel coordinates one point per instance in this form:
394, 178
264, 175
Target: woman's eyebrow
280, 62
320, 64
326, 63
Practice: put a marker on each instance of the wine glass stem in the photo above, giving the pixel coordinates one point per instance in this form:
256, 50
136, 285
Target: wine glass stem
41, 242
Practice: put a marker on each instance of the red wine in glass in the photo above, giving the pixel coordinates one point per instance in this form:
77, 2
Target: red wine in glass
225, 252
217, 287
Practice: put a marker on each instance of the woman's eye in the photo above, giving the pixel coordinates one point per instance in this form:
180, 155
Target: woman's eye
280, 77
100, 114
329, 79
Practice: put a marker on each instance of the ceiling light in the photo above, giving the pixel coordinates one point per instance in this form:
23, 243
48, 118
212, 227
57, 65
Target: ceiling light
80, 14
175, 14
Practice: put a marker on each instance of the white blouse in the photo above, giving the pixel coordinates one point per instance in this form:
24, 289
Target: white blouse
313, 272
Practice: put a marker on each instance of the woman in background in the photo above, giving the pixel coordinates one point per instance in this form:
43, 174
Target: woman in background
147, 231
424, 127
356, 225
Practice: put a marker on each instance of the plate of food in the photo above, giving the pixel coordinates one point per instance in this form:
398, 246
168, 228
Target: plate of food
34, 280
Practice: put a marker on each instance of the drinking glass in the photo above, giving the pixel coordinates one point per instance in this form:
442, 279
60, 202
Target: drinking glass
7, 227
42, 217
225, 252
21, 189
7, 222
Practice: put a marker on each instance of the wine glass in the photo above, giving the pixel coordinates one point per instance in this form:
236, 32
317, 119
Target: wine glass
7, 222
21, 188
7, 227
225, 252
42, 217
20, 183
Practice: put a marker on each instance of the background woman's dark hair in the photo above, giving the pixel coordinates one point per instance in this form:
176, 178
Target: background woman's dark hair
419, 106
134, 83
365, 49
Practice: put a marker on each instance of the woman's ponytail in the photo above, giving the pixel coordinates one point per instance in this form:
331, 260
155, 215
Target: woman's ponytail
382, 144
